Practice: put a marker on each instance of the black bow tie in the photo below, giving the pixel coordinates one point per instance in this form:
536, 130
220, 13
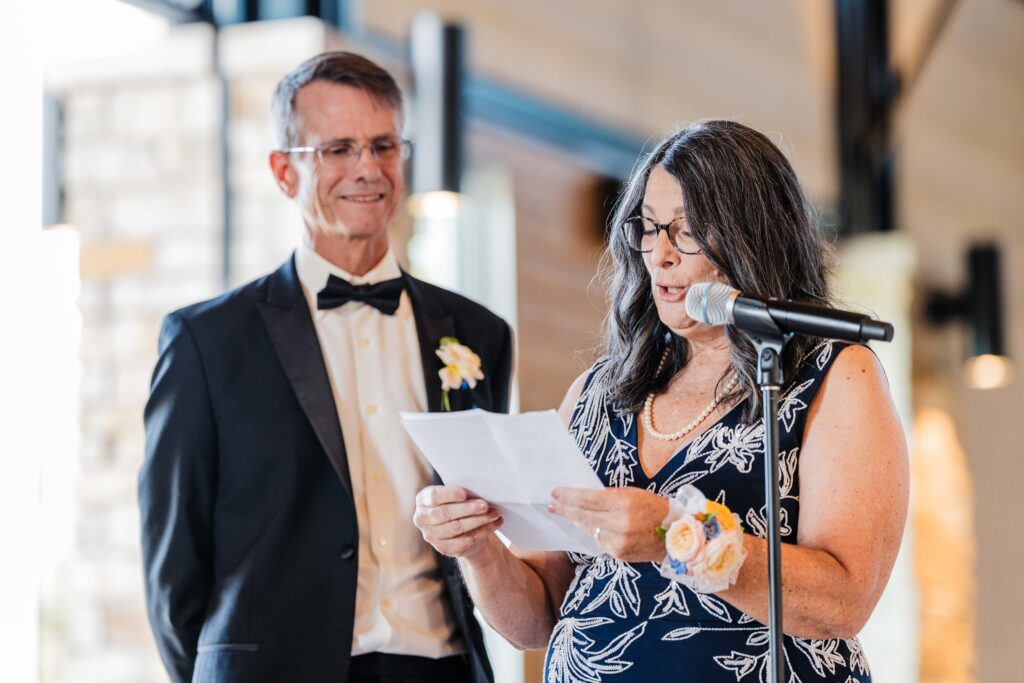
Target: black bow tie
383, 296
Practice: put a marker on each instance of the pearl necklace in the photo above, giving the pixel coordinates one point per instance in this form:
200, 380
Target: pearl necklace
648, 412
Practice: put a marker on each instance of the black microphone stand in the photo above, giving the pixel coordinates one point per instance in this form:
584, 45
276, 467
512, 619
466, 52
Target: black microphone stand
753, 317
769, 341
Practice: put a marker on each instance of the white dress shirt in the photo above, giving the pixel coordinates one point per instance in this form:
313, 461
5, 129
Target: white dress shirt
374, 366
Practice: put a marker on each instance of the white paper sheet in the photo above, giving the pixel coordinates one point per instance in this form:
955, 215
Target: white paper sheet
513, 462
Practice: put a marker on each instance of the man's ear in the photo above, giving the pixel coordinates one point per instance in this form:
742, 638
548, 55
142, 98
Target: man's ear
285, 174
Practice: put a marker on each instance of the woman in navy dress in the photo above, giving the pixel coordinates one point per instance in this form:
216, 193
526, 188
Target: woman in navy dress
674, 402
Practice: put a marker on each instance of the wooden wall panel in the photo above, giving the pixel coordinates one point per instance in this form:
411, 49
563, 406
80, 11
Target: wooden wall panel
558, 245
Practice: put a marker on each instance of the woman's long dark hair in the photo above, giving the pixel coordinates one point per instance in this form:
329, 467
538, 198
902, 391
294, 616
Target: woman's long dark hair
745, 209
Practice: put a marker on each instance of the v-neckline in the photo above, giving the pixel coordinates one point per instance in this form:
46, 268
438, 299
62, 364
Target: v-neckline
635, 438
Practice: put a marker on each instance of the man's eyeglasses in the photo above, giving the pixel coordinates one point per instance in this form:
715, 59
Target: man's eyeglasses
641, 235
342, 154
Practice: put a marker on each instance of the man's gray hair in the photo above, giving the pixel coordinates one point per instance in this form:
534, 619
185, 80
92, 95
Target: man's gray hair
345, 68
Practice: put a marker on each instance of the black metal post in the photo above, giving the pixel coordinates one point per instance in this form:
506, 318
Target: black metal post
436, 57
866, 90
769, 341
769, 378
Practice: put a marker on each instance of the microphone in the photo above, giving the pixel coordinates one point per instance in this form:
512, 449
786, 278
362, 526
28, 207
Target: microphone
714, 303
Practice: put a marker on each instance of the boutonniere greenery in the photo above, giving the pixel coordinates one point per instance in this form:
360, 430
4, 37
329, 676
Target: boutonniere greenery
461, 369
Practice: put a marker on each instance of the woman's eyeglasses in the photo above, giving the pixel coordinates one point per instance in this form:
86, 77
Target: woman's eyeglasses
641, 235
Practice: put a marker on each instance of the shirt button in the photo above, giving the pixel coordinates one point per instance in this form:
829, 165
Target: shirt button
371, 410
382, 540
347, 552
363, 342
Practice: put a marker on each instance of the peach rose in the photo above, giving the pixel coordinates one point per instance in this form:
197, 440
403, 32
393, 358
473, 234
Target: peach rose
685, 539
720, 562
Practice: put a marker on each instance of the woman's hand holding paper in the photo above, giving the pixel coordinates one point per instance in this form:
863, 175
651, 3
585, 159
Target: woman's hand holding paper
454, 523
624, 521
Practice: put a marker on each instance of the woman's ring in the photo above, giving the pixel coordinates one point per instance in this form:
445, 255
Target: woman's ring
597, 534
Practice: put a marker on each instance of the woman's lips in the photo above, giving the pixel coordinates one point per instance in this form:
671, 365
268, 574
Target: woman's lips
670, 294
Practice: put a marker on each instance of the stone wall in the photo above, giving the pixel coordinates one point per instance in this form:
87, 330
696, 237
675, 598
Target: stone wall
140, 173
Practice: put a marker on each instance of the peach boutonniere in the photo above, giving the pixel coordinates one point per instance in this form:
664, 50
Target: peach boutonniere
461, 368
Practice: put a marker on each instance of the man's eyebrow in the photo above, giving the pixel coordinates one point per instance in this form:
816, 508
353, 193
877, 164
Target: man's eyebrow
353, 141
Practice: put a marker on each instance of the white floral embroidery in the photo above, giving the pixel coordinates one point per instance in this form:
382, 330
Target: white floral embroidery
704, 443
672, 600
741, 663
620, 591
738, 446
714, 606
579, 558
591, 424
679, 479
757, 520
681, 633
788, 461
823, 654
572, 658
586, 576
823, 357
619, 467
790, 405
858, 661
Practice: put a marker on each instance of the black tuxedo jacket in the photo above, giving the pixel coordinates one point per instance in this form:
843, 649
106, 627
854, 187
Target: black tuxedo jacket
249, 534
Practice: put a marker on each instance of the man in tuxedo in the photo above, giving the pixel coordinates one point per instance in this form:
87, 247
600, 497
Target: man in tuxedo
278, 488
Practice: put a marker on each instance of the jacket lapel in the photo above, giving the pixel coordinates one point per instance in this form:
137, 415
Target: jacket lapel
286, 315
432, 323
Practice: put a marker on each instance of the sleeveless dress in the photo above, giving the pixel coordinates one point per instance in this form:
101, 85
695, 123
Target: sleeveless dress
621, 621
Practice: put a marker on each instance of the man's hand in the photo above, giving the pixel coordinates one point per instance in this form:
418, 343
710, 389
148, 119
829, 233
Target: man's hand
624, 521
455, 524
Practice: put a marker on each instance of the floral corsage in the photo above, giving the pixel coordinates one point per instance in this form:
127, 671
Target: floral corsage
704, 541
461, 368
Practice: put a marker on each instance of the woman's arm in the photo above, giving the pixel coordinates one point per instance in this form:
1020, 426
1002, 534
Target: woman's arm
518, 593
853, 504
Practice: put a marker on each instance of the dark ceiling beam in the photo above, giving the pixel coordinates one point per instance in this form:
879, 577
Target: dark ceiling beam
866, 92
604, 149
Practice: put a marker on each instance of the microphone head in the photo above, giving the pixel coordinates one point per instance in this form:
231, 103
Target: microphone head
710, 303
